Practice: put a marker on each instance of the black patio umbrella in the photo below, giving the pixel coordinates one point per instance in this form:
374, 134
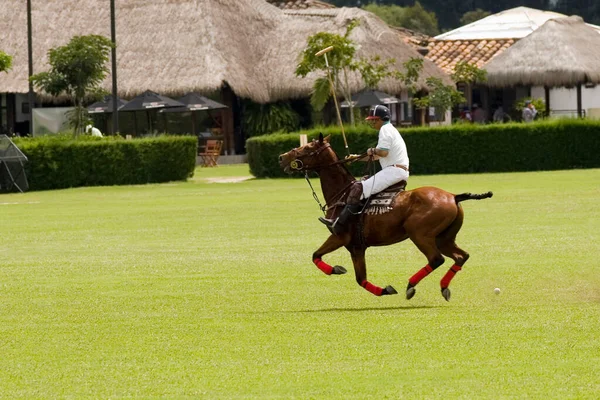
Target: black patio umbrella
148, 101
369, 98
195, 102
105, 106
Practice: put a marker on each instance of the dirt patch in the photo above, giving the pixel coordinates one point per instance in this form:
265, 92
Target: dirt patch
228, 179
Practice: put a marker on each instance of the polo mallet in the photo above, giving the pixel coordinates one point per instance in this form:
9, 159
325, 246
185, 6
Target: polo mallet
332, 87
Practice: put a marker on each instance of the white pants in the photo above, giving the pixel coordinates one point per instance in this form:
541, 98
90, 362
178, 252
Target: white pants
382, 180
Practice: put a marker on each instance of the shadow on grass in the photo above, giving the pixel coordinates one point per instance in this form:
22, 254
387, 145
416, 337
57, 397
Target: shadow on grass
366, 309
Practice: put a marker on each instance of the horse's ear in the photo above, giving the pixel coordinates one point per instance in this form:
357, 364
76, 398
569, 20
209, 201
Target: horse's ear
327, 139
321, 137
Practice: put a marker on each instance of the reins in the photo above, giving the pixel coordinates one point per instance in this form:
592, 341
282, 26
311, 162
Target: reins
324, 208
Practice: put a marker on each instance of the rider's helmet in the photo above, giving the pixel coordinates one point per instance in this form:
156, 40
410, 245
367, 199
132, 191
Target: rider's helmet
381, 112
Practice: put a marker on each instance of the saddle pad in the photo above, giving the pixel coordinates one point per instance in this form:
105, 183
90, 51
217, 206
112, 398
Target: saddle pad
381, 203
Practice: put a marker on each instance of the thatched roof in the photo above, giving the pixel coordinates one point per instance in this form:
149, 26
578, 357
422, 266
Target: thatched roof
300, 4
177, 46
563, 52
373, 37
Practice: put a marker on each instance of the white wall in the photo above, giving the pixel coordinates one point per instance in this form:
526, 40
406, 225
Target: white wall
566, 99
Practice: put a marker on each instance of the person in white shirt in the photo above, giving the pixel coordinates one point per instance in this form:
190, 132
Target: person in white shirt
392, 155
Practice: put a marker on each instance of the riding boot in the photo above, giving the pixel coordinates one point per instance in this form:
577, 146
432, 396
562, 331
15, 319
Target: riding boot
338, 226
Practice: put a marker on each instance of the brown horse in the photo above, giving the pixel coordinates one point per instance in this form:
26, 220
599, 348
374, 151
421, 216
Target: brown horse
428, 216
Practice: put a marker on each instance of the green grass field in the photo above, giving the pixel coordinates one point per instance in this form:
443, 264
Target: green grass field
207, 290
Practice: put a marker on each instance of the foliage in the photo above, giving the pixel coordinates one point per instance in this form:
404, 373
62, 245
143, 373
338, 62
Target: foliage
544, 145
341, 60
450, 12
472, 16
260, 119
440, 96
393, 15
538, 103
5, 62
468, 73
413, 17
77, 70
419, 19
64, 162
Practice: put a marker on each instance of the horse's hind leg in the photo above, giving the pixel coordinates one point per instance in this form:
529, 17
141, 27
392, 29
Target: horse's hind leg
460, 257
331, 244
428, 247
360, 270
446, 242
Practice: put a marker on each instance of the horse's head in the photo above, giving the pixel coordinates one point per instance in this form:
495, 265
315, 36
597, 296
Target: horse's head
311, 156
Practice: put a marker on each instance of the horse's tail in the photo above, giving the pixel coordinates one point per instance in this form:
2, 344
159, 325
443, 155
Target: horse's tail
468, 196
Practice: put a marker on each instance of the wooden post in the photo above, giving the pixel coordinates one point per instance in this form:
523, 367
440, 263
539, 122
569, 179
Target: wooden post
579, 110
547, 99
227, 98
303, 140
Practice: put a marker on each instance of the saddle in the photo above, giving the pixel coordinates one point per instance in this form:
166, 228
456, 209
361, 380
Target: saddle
381, 202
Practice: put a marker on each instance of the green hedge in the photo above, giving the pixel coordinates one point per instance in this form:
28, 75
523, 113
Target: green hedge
59, 162
546, 145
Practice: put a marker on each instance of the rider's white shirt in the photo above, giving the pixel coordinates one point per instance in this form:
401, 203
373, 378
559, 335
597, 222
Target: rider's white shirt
390, 140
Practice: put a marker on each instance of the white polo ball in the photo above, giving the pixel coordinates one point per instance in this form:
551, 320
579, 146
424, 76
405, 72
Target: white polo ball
497, 290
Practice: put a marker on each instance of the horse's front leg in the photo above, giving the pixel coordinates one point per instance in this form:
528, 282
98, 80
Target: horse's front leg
360, 270
331, 244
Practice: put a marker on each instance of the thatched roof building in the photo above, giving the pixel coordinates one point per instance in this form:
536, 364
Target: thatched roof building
172, 47
563, 52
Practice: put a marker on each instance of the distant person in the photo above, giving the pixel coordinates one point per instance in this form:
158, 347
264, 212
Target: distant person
94, 131
529, 112
499, 115
465, 115
478, 114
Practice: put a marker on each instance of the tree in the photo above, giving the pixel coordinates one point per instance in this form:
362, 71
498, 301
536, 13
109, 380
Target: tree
5, 62
413, 17
392, 15
472, 16
469, 74
342, 62
438, 95
419, 19
77, 69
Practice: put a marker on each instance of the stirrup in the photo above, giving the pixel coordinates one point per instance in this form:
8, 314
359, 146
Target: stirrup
328, 222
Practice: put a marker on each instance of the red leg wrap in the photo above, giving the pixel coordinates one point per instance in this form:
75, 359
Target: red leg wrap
445, 282
422, 273
323, 266
376, 290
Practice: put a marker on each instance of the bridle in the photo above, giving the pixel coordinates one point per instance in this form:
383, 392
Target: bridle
297, 165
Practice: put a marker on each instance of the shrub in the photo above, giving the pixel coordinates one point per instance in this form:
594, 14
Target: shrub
57, 162
468, 148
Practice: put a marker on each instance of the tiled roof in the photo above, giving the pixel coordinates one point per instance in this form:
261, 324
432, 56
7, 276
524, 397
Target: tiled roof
300, 4
446, 53
414, 38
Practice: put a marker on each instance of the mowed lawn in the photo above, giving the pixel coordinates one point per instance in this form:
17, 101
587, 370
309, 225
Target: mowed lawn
207, 290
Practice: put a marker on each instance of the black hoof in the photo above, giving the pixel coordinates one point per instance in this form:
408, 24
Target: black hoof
338, 270
389, 290
446, 293
410, 292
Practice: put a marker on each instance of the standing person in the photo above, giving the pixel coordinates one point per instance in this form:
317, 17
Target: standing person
529, 112
392, 155
478, 114
465, 115
499, 114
